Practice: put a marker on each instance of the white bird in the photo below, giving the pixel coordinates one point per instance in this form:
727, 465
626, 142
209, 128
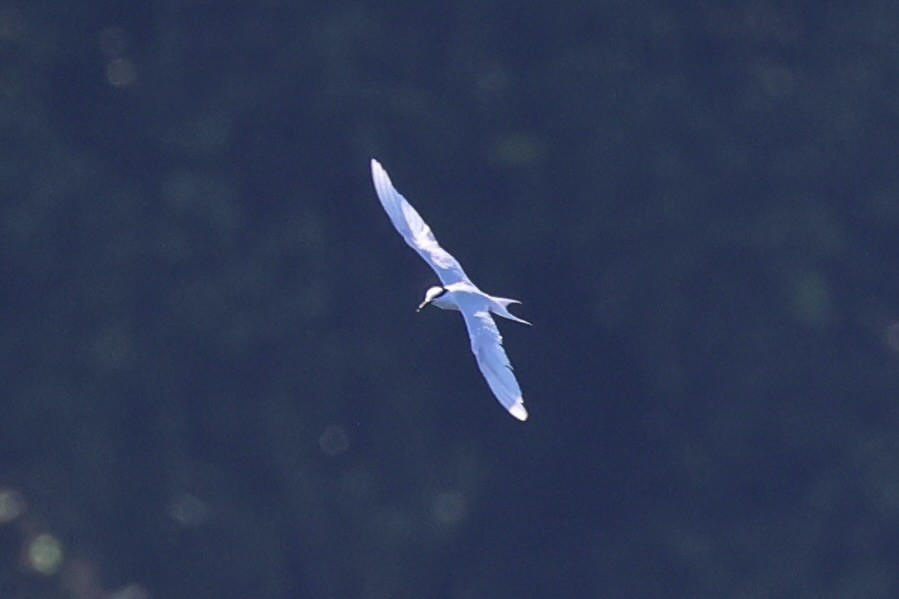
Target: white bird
457, 293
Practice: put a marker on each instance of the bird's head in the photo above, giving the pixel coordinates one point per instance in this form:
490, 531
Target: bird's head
430, 295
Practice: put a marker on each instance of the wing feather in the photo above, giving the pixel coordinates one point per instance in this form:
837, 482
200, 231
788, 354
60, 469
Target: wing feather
413, 228
487, 346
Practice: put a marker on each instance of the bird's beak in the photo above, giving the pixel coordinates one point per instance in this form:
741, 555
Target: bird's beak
422, 305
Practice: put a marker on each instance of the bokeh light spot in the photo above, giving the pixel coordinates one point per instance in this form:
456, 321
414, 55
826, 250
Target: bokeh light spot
334, 440
811, 300
449, 508
132, 591
891, 336
515, 150
188, 510
121, 72
12, 505
45, 554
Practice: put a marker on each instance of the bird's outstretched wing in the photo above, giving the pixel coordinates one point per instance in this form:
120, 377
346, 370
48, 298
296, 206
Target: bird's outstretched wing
414, 230
487, 345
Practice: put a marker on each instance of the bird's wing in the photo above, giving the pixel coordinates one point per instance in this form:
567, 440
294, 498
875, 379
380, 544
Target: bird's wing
487, 345
414, 230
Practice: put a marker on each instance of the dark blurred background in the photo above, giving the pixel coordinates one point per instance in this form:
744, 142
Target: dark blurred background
214, 383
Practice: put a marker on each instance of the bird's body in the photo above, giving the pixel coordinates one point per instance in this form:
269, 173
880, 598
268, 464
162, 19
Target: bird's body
457, 293
450, 297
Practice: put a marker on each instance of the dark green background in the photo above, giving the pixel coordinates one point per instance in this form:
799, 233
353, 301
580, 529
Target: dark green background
214, 383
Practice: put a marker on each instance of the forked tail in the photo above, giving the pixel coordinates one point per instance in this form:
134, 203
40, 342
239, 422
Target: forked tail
500, 308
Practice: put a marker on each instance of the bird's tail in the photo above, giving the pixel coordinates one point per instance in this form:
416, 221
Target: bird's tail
500, 308
506, 302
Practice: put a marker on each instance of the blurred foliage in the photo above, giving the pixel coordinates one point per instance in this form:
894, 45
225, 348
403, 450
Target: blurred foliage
214, 384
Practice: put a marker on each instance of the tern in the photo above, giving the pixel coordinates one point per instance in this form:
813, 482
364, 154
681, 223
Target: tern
457, 292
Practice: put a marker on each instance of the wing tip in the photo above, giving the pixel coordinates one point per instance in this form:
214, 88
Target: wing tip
518, 411
381, 179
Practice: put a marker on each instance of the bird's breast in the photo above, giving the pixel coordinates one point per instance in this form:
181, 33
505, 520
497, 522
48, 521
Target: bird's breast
446, 302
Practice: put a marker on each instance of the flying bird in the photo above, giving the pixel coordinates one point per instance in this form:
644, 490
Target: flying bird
457, 292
